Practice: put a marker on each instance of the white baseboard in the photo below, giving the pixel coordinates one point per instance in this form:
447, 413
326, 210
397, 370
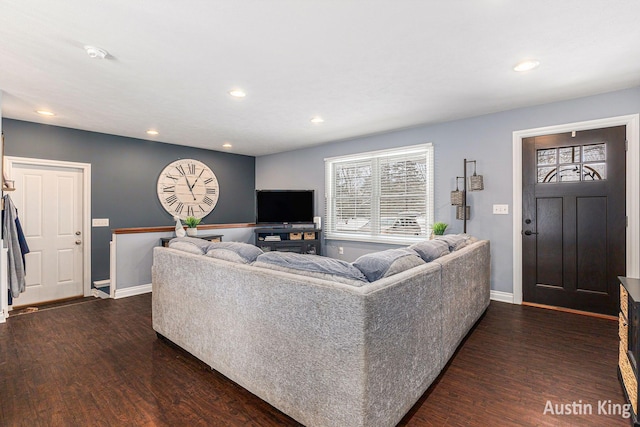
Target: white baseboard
133, 290
502, 296
144, 289
97, 293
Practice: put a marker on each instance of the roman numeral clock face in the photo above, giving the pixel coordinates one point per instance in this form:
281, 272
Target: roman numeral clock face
188, 187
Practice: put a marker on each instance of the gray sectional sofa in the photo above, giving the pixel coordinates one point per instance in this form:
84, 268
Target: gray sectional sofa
324, 352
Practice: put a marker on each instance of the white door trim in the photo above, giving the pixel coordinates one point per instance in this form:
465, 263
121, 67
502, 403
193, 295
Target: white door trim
633, 189
86, 205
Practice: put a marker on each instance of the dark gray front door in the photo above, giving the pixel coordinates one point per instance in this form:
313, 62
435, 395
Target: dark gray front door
573, 219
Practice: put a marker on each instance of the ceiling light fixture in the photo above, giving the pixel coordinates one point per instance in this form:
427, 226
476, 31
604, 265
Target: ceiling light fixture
526, 65
237, 93
96, 52
45, 113
317, 119
227, 145
152, 132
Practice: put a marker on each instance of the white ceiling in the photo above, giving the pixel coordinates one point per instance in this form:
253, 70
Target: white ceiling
365, 66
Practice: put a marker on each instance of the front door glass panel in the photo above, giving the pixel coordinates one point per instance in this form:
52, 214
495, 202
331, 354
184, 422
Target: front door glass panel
578, 163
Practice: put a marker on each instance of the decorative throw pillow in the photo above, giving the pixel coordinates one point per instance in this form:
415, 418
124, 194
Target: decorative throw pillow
431, 249
192, 245
377, 265
313, 266
239, 252
456, 241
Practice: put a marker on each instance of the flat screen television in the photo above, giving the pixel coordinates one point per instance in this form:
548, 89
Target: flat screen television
284, 207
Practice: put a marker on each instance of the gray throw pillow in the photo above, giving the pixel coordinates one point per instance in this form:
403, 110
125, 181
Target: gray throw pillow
192, 245
239, 252
431, 249
378, 265
456, 241
313, 266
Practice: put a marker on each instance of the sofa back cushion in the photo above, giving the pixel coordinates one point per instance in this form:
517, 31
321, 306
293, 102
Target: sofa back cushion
193, 245
378, 265
239, 252
430, 249
313, 266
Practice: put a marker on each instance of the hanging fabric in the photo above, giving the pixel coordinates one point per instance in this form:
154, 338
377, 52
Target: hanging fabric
17, 247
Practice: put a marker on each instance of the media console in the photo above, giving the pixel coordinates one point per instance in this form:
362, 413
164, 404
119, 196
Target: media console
299, 240
629, 333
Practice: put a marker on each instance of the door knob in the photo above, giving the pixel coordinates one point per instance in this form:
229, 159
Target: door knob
78, 233
78, 242
529, 233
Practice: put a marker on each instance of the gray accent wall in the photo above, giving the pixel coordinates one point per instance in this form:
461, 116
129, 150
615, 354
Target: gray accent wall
124, 176
486, 139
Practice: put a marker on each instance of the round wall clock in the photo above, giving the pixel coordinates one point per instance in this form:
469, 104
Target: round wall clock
188, 187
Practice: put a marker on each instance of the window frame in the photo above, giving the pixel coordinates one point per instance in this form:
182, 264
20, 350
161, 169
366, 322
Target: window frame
330, 231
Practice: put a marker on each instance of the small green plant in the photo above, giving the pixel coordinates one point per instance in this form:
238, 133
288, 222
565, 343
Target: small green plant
439, 227
191, 221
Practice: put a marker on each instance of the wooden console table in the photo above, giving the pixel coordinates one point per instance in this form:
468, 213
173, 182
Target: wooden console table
210, 237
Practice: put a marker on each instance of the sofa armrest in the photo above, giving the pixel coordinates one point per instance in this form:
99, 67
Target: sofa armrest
466, 284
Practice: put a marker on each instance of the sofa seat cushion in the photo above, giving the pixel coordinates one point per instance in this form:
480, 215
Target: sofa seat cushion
313, 266
431, 249
193, 245
239, 252
378, 265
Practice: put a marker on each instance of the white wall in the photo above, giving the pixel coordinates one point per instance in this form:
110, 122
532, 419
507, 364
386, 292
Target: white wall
3, 282
134, 255
487, 139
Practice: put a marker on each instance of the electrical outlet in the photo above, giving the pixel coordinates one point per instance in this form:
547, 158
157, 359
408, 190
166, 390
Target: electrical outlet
100, 222
501, 209
340, 250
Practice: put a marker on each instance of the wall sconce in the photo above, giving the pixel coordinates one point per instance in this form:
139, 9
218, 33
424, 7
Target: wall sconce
476, 182
460, 212
459, 198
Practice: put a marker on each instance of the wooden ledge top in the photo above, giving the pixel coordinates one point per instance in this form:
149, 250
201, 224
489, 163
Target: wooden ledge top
172, 227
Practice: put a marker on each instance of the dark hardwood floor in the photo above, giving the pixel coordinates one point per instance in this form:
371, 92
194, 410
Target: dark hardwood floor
100, 364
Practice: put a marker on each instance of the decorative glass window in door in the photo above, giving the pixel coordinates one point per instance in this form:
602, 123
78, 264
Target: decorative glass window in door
572, 164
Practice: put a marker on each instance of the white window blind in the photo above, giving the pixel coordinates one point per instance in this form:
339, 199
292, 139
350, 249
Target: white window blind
380, 196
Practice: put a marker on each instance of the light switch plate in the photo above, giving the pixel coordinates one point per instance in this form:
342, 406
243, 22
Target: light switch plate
100, 222
501, 209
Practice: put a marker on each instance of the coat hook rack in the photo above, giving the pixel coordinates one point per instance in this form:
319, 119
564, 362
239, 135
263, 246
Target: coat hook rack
459, 197
7, 184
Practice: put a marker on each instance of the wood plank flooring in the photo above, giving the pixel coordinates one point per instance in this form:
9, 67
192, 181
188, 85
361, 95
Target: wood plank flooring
100, 364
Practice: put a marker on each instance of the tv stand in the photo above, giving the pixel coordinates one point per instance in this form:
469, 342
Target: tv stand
289, 239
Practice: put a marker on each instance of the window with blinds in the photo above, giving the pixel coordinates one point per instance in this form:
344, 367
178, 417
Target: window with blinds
380, 196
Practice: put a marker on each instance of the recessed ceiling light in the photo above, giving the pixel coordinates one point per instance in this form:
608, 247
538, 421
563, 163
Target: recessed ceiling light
152, 132
45, 113
237, 93
227, 145
317, 119
526, 65
95, 52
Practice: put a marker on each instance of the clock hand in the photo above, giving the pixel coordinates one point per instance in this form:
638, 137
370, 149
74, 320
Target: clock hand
194, 182
190, 187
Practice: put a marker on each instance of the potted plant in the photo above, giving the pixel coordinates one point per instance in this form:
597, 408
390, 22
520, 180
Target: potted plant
437, 229
192, 223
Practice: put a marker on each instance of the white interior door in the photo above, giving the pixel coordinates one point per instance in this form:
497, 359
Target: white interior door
49, 200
